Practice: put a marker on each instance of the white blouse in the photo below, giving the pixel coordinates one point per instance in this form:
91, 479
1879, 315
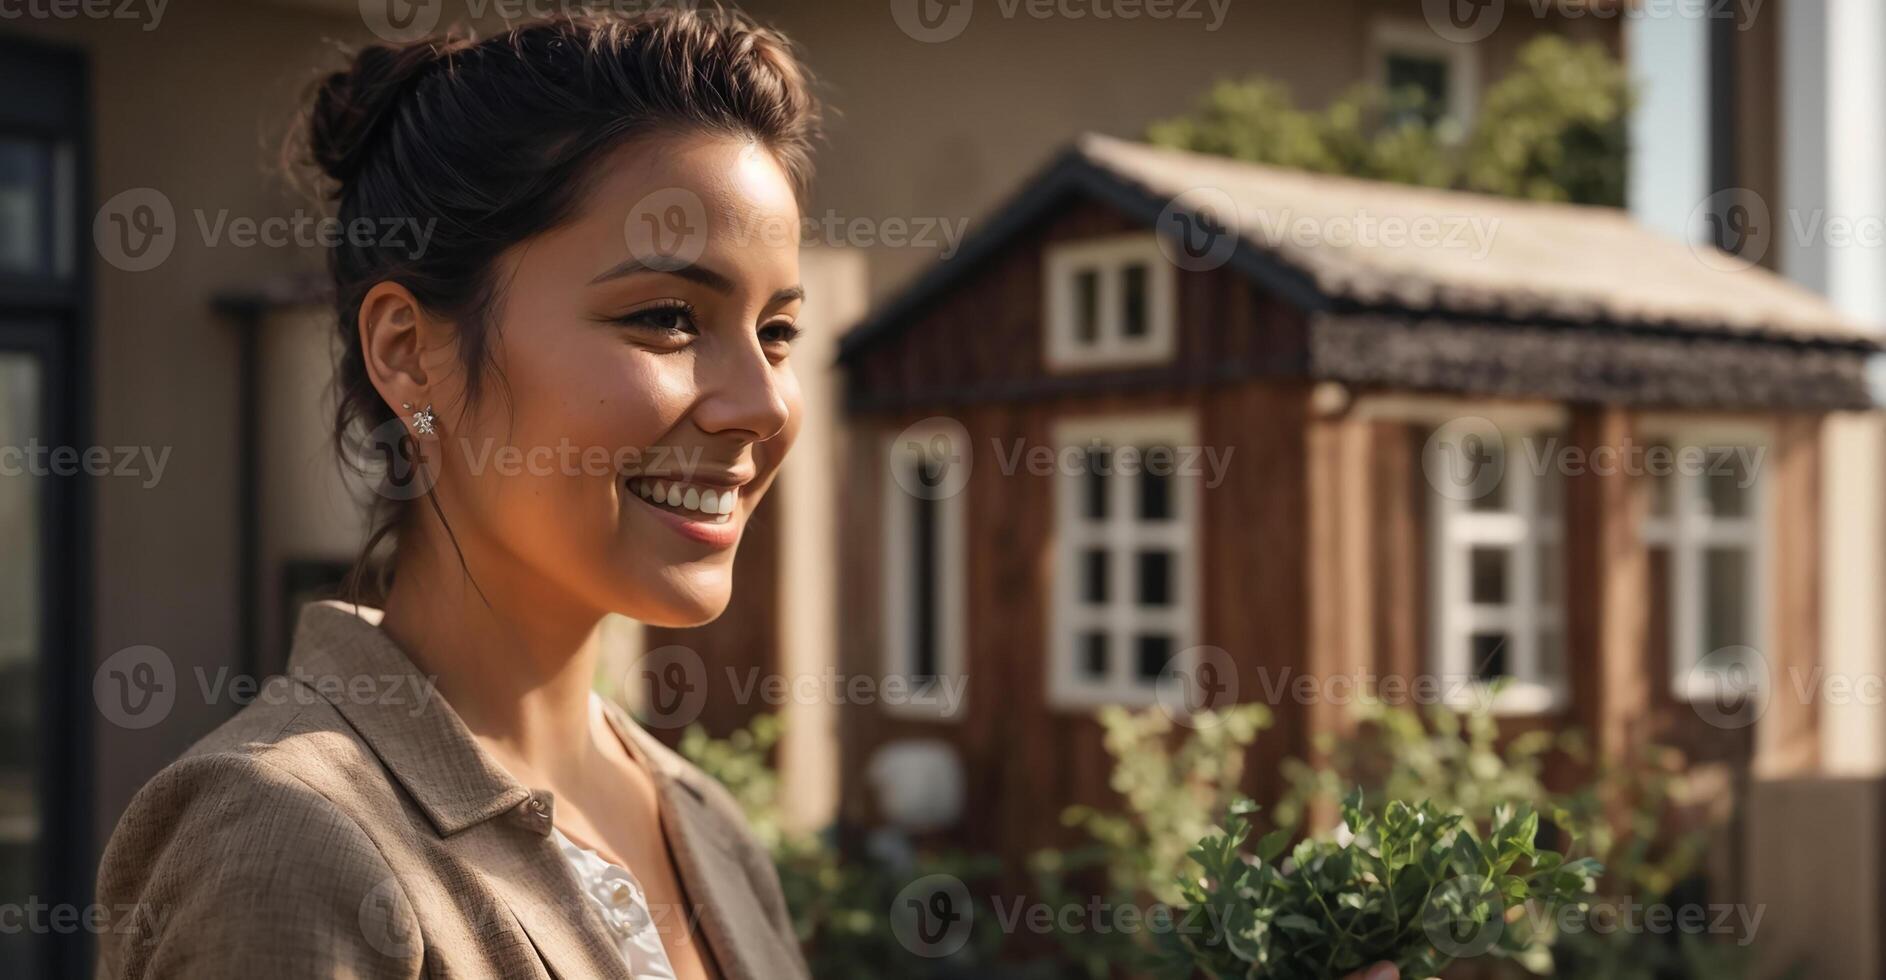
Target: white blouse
618, 896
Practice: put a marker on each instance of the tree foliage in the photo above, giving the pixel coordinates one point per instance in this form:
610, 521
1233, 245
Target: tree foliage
1555, 128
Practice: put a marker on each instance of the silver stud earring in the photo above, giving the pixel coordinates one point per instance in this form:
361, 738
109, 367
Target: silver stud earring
422, 419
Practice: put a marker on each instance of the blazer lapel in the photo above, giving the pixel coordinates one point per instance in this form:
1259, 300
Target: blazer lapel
544, 898
497, 826
714, 862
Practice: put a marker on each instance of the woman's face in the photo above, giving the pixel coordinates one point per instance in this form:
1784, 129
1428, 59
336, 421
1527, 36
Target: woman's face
644, 393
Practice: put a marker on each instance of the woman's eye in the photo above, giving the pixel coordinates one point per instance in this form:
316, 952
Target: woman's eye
668, 324
779, 334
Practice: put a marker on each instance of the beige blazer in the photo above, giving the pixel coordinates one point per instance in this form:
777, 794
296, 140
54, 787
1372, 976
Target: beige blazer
346, 824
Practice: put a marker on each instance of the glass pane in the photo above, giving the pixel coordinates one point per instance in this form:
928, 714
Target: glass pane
1087, 305
1662, 612
1660, 460
1421, 79
1725, 600
1099, 463
1551, 573
1489, 655
1155, 578
1487, 568
1151, 653
924, 582
25, 187
1551, 653
1133, 300
1155, 489
1475, 454
1094, 576
1727, 482
21, 598
1551, 488
1093, 654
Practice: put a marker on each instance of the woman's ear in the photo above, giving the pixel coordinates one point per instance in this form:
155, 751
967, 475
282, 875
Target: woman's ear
393, 331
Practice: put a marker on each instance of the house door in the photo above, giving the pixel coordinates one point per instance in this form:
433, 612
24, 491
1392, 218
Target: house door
45, 689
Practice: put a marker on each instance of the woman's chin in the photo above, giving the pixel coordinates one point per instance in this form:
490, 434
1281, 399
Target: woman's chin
679, 608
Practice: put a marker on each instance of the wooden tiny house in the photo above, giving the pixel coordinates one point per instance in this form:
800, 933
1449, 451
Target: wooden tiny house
1168, 411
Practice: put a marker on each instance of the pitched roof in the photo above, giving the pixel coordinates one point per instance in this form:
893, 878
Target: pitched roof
1328, 242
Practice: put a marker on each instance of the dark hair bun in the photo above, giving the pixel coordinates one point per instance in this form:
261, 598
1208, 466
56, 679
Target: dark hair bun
351, 105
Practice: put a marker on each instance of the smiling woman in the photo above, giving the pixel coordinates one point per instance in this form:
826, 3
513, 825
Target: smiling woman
588, 185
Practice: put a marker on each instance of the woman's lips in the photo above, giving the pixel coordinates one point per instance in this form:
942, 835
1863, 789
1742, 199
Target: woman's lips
700, 512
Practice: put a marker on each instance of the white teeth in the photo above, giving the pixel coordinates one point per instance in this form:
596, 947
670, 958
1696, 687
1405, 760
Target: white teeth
715, 505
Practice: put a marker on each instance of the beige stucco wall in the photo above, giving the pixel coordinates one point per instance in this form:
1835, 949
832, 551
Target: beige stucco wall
196, 107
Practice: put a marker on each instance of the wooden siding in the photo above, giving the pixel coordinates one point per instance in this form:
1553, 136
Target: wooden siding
1025, 760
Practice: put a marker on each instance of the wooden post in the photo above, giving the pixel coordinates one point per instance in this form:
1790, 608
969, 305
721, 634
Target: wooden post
1607, 589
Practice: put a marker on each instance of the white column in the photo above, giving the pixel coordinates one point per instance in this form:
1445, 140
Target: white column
1833, 162
1669, 166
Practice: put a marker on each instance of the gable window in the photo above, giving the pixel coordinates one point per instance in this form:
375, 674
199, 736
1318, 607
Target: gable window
1498, 584
1110, 303
1412, 60
923, 566
1126, 507
1705, 534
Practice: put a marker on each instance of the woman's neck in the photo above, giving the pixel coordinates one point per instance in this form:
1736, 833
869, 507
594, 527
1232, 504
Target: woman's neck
518, 670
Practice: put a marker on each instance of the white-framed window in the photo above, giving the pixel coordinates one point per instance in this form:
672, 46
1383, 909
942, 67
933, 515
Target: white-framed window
1706, 533
1498, 574
1110, 302
1410, 55
1126, 559
924, 609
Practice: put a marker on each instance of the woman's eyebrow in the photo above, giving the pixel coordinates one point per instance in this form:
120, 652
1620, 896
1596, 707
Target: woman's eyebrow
787, 295
693, 273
